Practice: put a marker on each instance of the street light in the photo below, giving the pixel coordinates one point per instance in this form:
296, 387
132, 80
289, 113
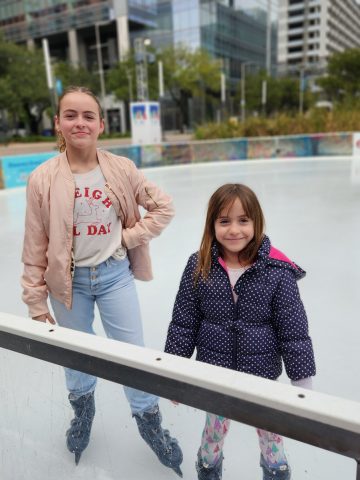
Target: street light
301, 71
243, 100
101, 70
49, 75
161, 79
223, 94
141, 68
301, 88
147, 43
268, 38
129, 77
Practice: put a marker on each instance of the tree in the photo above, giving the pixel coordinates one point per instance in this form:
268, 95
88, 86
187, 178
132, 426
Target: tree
29, 85
190, 74
186, 74
70, 75
282, 94
121, 79
23, 90
342, 82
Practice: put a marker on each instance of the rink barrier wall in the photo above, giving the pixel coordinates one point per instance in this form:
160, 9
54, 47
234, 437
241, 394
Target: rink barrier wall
325, 421
15, 169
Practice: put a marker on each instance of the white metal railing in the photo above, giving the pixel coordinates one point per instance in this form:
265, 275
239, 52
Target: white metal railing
318, 419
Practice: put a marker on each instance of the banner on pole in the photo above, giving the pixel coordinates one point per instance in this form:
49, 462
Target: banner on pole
145, 123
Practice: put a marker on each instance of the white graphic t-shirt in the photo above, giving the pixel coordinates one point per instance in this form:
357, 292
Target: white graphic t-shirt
97, 228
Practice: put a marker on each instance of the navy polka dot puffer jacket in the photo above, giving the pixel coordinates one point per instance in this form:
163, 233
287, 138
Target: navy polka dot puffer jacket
266, 325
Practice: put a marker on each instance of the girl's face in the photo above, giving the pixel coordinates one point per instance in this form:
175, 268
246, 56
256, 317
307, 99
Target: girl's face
234, 230
79, 120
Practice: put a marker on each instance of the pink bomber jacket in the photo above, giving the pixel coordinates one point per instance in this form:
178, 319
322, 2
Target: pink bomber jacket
48, 239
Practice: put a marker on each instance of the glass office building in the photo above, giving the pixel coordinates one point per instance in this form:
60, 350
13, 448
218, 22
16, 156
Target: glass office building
234, 30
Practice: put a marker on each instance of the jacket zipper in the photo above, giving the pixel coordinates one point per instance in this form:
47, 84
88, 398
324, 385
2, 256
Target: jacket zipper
235, 335
235, 342
72, 256
107, 185
111, 190
147, 191
235, 339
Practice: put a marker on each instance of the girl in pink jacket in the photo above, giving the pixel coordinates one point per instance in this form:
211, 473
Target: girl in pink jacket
84, 243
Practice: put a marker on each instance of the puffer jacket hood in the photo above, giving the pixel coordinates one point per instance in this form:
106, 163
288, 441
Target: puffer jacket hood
267, 255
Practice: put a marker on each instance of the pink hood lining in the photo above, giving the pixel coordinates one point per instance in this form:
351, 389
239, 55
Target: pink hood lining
223, 264
277, 255
274, 253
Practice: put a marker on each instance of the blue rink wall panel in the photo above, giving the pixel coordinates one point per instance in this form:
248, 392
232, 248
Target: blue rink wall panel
15, 169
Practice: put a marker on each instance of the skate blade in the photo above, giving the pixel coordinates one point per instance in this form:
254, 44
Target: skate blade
178, 471
77, 457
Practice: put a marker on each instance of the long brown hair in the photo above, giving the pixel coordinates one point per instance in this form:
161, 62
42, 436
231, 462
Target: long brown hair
61, 144
223, 198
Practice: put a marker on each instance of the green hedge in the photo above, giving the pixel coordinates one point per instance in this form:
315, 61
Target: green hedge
316, 121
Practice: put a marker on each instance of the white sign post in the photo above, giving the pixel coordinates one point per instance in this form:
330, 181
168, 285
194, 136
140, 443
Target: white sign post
145, 123
355, 164
356, 144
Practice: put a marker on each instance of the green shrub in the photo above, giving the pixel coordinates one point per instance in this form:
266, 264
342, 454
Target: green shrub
315, 121
31, 139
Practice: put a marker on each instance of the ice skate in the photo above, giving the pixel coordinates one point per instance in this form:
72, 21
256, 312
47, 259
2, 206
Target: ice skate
209, 472
281, 472
78, 435
159, 440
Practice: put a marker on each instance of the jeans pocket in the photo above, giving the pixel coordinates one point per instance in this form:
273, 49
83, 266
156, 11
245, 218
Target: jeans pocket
118, 262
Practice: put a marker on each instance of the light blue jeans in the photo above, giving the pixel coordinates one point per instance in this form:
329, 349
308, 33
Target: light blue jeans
111, 285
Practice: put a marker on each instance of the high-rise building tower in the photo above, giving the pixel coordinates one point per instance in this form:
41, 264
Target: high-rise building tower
309, 31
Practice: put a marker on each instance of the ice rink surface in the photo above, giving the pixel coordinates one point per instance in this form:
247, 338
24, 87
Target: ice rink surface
312, 211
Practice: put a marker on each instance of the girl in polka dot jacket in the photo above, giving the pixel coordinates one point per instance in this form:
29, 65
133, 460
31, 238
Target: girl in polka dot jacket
239, 305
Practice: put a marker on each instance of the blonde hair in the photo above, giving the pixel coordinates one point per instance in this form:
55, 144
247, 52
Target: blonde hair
223, 198
61, 144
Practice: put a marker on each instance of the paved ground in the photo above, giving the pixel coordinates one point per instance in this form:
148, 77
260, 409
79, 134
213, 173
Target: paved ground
24, 148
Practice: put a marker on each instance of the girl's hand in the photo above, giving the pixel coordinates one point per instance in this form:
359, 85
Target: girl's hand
45, 317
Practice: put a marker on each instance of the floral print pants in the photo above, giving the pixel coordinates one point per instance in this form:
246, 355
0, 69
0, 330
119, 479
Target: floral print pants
215, 431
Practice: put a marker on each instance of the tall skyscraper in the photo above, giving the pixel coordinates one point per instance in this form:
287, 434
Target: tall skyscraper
311, 30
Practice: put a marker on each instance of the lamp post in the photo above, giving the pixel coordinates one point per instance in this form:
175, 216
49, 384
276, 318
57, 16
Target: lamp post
243, 101
147, 42
301, 88
243, 92
268, 38
141, 68
161, 95
101, 70
264, 96
161, 78
49, 76
129, 77
223, 94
